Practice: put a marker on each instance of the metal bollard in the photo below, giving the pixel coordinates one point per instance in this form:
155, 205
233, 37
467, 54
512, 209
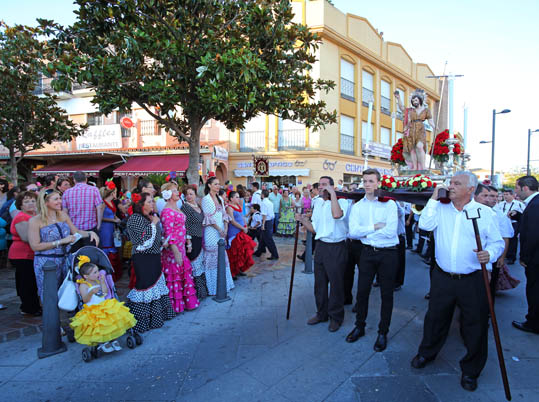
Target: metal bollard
308, 254
221, 274
52, 340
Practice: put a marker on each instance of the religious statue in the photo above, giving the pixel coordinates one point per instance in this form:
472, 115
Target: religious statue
414, 136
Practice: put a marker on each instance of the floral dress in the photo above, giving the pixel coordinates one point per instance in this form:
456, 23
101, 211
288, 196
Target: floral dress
179, 277
214, 215
287, 224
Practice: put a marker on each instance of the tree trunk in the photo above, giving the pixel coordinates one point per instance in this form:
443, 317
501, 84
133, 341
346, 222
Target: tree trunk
13, 164
194, 154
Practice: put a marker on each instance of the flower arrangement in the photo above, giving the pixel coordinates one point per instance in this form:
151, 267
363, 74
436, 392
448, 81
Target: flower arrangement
419, 182
397, 157
389, 183
441, 147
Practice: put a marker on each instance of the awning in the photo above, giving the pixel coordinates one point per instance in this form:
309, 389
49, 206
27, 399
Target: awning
274, 172
90, 166
143, 165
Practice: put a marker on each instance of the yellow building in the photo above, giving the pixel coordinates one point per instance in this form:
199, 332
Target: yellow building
366, 70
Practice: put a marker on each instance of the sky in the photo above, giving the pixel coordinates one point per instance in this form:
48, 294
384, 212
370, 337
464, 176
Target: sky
493, 43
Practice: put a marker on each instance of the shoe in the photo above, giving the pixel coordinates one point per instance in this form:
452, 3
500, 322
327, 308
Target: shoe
273, 258
524, 326
397, 288
116, 346
375, 285
333, 325
469, 383
355, 334
409, 247
38, 313
257, 254
427, 296
242, 274
347, 302
415, 250
106, 347
301, 257
315, 320
419, 362
381, 343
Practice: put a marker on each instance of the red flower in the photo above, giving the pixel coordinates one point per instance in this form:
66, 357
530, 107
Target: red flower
415, 183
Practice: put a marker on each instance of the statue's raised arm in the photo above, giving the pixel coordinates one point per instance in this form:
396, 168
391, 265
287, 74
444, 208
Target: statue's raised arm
400, 106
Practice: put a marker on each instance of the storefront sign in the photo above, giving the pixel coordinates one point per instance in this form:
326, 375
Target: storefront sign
300, 163
101, 137
277, 164
357, 168
377, 149
327, 165
220, 153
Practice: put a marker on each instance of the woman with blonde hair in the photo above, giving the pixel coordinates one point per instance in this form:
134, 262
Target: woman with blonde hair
50, 235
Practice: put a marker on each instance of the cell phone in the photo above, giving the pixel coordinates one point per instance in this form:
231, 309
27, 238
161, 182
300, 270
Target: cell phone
78, 236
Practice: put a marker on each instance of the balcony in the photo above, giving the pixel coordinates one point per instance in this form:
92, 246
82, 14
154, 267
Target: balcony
367, 96
291, 140
347, 144
252, 141
385, 105
44, 87
149, 127
347, 89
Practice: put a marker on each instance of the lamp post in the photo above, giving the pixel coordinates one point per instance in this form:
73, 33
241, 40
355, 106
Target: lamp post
494, 113
528, 160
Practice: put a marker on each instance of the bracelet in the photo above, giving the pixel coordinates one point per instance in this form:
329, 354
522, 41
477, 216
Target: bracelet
56, 244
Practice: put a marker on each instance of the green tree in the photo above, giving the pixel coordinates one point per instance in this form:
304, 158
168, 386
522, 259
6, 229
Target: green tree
188, 61
27, 121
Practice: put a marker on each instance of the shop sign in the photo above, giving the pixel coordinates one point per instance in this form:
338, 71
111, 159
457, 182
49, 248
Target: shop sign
107, 136
357, 168
275, 164
377, 149
328, 165
220, 153
300, 163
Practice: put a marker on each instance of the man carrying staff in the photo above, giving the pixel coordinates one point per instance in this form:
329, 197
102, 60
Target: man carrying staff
374, 223
329, 224
457, 279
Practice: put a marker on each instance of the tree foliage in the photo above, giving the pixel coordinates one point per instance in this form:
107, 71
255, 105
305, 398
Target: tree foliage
27, 121
188, 61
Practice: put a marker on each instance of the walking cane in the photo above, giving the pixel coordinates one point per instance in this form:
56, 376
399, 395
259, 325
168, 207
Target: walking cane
296, 235
490, 305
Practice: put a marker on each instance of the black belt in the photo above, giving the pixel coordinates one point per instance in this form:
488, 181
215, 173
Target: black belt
51, 255
373, 248
453, 275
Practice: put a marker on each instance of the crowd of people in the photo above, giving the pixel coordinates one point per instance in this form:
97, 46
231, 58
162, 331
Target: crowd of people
167, 240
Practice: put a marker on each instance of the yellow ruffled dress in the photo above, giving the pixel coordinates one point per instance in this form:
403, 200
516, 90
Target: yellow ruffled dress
101, 320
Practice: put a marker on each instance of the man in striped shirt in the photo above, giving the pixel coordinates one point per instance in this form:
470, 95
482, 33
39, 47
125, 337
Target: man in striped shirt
83, 204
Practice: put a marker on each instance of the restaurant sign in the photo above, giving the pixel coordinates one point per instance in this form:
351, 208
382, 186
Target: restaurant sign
107, 136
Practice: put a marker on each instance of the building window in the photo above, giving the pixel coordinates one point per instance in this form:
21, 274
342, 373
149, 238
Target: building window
404, 101
398, 135
385, 97
149, 127
347, 80
253, 136
385, 135
367, 90
366, 135
95, 119
291, 135
347, 135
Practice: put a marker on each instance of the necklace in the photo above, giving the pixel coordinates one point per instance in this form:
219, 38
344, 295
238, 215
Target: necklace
194, 206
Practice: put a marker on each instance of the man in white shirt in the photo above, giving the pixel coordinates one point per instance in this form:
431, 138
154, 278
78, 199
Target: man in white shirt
266, 230
510, 207
275, 197
374, 222
457, 279
329, 224
256, 198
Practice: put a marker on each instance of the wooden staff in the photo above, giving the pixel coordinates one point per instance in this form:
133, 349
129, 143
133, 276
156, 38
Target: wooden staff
296, 235
491, 307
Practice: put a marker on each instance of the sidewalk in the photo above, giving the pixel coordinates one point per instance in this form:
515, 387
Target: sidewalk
246, 350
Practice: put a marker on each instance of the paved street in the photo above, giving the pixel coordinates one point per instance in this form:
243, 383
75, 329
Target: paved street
246, 350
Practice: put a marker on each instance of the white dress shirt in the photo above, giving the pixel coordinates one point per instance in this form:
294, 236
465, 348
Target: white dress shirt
266, 208
504, 224
528, 200
401, 227
365, 214
505, 207
455, 237
317, 200
257, 199
327, 228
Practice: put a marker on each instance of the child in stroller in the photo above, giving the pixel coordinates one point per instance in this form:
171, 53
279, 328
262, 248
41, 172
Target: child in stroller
101, 319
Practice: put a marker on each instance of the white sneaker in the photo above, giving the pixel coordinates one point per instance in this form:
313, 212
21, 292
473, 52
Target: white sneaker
106, 347
116, 346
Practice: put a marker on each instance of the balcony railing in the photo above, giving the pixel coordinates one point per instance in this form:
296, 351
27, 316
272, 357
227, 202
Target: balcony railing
44, 87
385, 105
347, 144
291, 139
367, 96
252, 141
347, 89
149, 127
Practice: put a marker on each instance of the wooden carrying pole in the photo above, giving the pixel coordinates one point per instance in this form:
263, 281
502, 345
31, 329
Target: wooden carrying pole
296, 235
491, 308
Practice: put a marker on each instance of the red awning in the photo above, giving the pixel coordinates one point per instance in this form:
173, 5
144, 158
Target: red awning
143, 165
90, 166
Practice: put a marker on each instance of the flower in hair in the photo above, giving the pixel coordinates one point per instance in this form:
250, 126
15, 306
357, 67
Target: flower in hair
166, 194
110, 184
135, 198
83, 259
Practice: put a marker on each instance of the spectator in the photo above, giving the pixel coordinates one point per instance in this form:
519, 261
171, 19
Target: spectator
160, 203
240, 246
266, 234
62, 185
4, 188
256, 197
83, 204
109, 225
255, 222
287, 223
50, 181
275, 197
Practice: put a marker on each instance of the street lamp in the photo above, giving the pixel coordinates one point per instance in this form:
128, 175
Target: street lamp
528, 161
494, 113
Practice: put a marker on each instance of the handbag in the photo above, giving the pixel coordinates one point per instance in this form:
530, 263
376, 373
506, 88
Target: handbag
67, 294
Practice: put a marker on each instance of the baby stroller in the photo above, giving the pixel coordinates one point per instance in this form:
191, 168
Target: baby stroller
99, 258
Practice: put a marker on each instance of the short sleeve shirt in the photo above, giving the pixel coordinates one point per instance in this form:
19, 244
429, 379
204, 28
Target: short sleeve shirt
80, 203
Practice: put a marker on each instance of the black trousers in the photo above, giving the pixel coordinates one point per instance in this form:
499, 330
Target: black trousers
469, 294
25, 282
401, 253
266, 240
409, 232
513, 244
532, 294
354, 253
383, 264
423, 234
329, 266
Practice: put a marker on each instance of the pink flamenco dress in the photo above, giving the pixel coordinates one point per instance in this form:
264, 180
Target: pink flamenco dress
179, 279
